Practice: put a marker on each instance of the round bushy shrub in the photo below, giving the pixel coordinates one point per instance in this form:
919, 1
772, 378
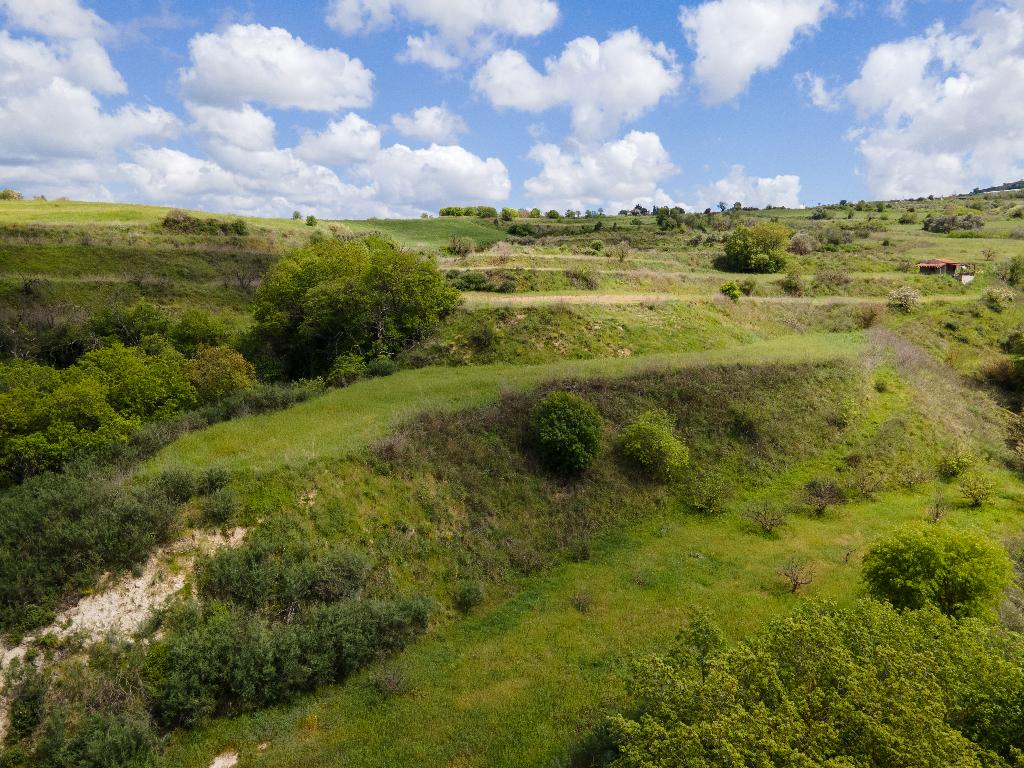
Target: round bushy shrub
346, 369
567, 432
217, 372
651, 447
731, 290
803, 243
381, 366
904, 299
220, 506
960, 573
468, 595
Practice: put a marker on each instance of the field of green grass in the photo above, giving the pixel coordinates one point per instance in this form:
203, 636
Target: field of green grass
348, 419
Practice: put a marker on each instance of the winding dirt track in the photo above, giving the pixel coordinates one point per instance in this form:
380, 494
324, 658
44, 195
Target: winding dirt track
543, 299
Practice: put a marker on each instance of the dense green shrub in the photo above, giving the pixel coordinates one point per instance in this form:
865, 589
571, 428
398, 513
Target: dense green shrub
793, 284
220, 505
179, 484
217, 372
904, 299
521, 230
129, 324
49, 416
363, 296
58, 533
955, 462
216, 658
276, 570
858, 686
977, 487
650, 445
467, 596
566, 431
186, 223
194, 329
945, 224
381, 366
10, 194
960, 573
346, 369
138, 384
760, 248
731, 290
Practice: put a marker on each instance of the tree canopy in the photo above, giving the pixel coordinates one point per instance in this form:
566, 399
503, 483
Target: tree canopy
960, 573
362, 296
760, 248
833, 688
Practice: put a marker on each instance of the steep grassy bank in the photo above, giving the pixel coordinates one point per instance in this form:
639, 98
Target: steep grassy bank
516, 683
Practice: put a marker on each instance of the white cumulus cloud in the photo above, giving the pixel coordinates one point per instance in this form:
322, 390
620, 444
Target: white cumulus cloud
457, 27
250, 62
55, 18
603, 83
944, 111
342, 142
436, 175
757, 191
435, 124
817, 90
736, 39
615, 175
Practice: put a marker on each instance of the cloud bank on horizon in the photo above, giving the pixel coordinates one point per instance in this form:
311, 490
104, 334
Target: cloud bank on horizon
358, 108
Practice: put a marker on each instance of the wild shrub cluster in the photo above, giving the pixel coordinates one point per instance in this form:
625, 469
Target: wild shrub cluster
473, 280
270, 620
760, 248
49, 416
483, 211
59, 532
186, 223
567, 431
945, 224
650, 445
863, 685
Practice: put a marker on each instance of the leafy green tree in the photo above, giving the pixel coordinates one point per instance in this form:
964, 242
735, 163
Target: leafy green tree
196, 328
832, 688
216, 372
47, 416
760, 248
140, 385
567, 432
363, 296
129, 324
960, 573
509, 214
535, 213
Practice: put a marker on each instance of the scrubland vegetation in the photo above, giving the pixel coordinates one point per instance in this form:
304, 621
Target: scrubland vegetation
739, 487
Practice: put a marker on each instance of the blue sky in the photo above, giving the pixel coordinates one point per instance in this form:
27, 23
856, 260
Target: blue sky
391, 107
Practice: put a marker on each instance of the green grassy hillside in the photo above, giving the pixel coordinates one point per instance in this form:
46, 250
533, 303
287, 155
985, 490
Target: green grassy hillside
398, 579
